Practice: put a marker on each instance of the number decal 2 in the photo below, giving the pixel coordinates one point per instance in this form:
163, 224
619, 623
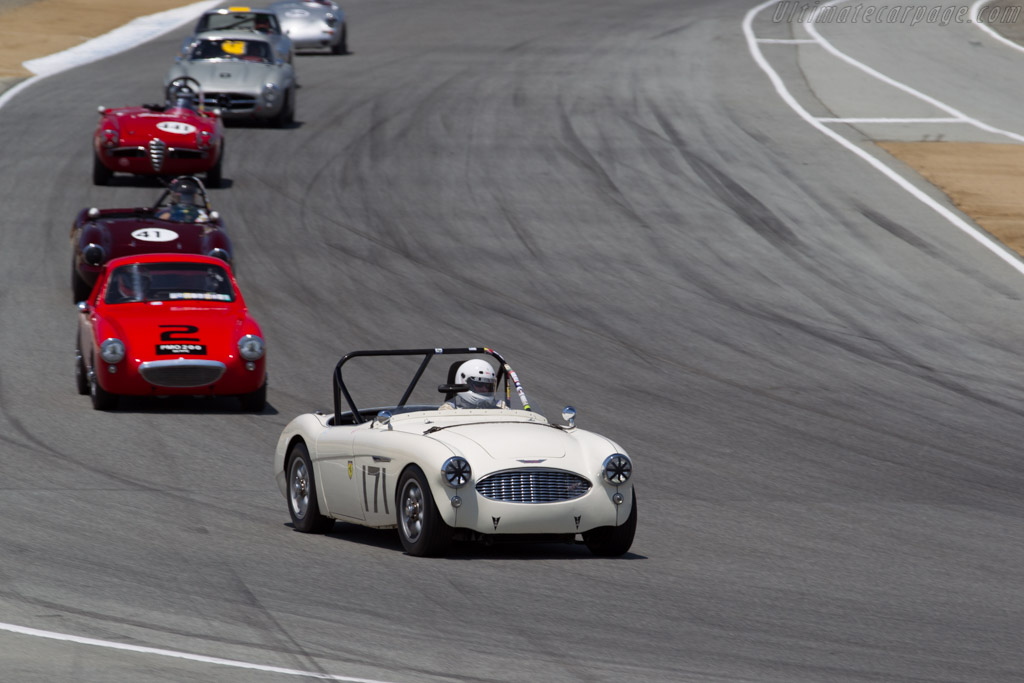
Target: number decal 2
174, 332
380, 478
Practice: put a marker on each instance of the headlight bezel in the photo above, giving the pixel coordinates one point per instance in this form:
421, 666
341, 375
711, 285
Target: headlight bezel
617, 469
271, 93
112, 350
245, 348
456, 471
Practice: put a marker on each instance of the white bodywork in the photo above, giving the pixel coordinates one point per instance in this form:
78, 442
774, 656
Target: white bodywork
357, 468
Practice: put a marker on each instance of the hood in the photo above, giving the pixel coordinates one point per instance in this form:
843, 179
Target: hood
137, 125
513, 442
168, 331
231, 76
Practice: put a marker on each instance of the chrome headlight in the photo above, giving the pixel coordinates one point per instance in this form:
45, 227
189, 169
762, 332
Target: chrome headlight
456, 471
93, 254
270, 93
112, 350
251, 347
618, 468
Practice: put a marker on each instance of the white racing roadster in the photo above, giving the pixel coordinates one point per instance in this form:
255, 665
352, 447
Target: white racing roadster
440, 474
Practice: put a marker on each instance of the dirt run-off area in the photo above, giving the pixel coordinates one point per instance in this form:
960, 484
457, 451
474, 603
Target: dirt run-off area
35, 28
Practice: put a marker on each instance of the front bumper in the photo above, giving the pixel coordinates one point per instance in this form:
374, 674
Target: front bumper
181, 377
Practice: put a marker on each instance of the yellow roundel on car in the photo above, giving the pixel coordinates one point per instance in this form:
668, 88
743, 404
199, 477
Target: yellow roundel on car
233, 47
238, 9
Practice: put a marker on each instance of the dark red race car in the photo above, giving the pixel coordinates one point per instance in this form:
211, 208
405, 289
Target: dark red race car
168, 324
180, 137
180, 221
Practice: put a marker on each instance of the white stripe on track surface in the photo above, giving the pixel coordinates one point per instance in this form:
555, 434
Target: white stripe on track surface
980, 236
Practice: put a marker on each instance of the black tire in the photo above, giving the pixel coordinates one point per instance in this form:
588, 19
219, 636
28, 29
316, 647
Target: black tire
101, 398
101, 175
302, 504
256, 401
423, 532
214, 176
613, 541
342, 47
81, 376
280, 120
80, 289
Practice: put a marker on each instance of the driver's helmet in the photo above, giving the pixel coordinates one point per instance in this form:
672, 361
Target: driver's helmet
130, 284
262, 23
184, 97
185, 191
480, 379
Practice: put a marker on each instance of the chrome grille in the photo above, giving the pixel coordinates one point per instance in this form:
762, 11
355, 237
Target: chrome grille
157, 153
232, 101
532, 485
182, 372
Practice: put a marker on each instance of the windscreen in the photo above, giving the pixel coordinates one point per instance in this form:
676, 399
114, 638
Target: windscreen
169, 282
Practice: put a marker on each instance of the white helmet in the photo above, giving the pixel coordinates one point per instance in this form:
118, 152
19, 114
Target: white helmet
480, 378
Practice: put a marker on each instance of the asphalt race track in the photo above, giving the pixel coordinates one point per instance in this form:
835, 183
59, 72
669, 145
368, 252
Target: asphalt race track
819, 379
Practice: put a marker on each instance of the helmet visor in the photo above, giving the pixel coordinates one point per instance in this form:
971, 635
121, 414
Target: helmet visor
480, 385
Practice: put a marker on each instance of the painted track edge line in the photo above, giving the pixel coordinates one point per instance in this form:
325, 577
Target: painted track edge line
975, 17
997, 248
138, 649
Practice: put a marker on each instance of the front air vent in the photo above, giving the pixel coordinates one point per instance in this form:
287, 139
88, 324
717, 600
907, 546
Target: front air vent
157, 153
533, 485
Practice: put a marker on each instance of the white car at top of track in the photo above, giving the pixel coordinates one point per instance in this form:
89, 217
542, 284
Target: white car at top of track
470, 474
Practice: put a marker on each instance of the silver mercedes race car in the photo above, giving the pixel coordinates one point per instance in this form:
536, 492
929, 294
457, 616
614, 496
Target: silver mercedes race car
313, 24
242, 74
234, 18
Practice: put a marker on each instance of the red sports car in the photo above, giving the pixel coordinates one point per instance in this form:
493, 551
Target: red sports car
180, 137
181, 221
169, 324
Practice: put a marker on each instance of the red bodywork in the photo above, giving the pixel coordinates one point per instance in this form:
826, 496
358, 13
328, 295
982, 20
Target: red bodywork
154, 330
155, 140
116, 230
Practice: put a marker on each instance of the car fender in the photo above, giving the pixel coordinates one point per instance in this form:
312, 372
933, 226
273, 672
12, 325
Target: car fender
307, 428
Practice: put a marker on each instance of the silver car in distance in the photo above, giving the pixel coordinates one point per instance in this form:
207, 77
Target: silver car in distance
313, 24
242, 74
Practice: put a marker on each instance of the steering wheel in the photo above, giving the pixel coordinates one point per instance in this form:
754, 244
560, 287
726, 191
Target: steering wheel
178, 83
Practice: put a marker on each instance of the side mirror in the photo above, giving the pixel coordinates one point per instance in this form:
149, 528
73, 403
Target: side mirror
215, 215
82, 307
101, 110
384, 418
569, 415
93, 213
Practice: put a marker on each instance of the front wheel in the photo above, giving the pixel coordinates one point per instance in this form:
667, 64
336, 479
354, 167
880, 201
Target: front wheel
342, 47
214, 178
302, 503
612, 541
256, 401
423, 532
80, 289
81, 376
101, 398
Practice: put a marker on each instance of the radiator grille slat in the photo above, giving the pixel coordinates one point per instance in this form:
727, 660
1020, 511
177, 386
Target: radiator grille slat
533, 485
157, 153
181, 374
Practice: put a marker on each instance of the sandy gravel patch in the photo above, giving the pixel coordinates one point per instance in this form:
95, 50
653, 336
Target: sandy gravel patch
43, 27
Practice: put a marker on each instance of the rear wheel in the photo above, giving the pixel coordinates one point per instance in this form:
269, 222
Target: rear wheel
302, 504
81, 376
80, 289
101, 175
612, 541
420, 526
101, 399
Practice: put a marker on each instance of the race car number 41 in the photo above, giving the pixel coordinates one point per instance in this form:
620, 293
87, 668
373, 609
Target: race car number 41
155, 235
176, 127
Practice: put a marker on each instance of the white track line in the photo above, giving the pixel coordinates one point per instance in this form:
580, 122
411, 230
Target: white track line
780, 87
812, 30
179, 655
976, 19
833, 119
786, 41
130, 35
